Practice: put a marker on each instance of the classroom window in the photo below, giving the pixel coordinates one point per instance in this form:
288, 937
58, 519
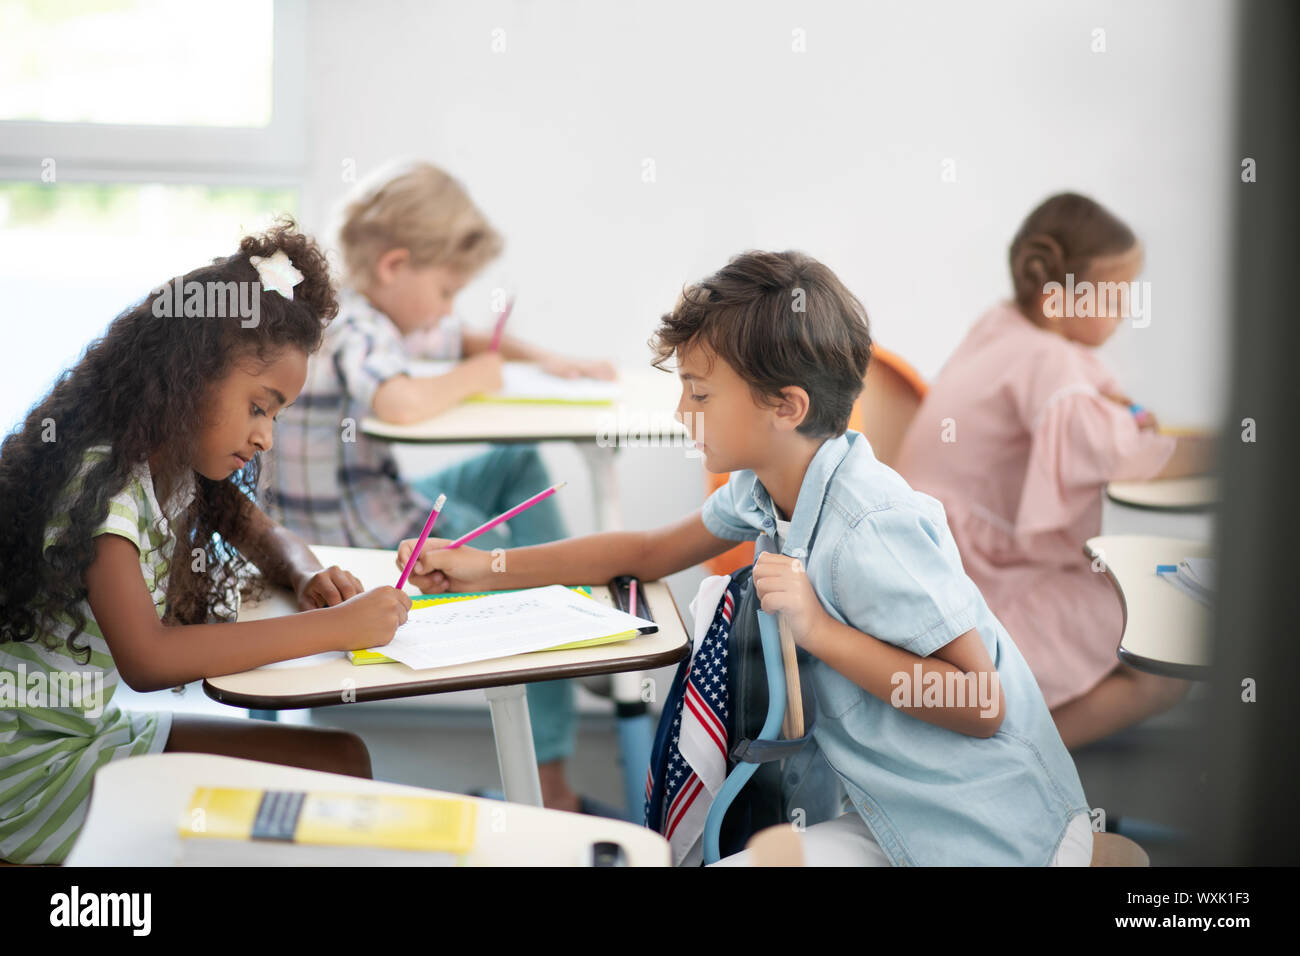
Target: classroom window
74, 255
153, 91
147, 62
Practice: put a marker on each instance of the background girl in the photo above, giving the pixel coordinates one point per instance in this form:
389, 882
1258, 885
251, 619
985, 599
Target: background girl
1018, 436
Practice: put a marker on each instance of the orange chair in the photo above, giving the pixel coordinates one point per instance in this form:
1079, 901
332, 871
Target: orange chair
891, 393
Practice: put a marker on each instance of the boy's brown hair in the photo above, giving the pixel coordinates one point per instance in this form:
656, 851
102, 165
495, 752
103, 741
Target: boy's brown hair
1062, 235
778, 319
418, 207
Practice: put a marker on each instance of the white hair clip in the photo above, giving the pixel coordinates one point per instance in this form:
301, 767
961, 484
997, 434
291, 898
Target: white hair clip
277, 272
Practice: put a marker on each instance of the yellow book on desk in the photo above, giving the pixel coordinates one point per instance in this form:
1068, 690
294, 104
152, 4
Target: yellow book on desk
242, 826
367, 656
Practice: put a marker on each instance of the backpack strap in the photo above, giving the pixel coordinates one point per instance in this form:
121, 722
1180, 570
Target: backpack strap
742, 772
792, 727
765, 751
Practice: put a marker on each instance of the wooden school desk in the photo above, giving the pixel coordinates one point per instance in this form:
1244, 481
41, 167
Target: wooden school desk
328, 679
1198, 493
1165, 631
137, 804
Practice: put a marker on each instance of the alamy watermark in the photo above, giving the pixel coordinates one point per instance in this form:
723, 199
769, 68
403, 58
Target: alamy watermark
947, 689
210, 300
623, 429
1086, 299
80, 690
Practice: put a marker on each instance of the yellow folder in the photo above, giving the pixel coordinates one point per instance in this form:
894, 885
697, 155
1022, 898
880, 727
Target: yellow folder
311, 817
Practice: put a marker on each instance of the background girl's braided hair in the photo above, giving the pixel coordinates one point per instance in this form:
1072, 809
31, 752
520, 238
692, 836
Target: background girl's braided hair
144, 388
1063, 235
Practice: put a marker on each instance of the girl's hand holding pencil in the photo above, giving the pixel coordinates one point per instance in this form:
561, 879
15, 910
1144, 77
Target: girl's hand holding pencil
371, 618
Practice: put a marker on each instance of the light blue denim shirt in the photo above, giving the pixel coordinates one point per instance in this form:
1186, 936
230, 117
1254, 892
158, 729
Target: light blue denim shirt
881, 559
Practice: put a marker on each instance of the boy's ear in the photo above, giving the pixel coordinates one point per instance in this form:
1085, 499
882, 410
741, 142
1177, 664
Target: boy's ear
793, 407
386, 265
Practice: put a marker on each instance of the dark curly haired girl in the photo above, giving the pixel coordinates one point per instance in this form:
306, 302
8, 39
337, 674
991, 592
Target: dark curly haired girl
129, 535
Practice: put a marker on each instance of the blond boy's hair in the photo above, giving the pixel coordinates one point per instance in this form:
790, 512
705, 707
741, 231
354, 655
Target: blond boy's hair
418, 207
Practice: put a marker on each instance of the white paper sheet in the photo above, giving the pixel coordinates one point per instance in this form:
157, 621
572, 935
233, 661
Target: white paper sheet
524, 381
500, 625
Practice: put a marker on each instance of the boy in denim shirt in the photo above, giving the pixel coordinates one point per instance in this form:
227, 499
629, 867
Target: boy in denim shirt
926, 710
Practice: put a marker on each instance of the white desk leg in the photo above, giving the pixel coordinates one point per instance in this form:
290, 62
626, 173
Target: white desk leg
609, 517
604, 485
636, 728
514, 737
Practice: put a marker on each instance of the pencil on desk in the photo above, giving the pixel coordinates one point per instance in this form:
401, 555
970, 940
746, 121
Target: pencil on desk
424, 536
489, 525
631, 598
501, 324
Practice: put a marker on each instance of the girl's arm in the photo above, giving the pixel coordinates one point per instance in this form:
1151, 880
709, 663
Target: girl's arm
1193, 455
286, 560
880, 668
151, 656
591, 559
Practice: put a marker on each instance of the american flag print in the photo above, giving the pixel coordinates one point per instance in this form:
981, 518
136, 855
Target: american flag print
697, 746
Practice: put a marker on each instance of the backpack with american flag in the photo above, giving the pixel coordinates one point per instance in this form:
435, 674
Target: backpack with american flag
711, 717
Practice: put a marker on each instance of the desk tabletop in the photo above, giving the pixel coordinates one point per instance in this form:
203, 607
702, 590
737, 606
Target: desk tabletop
645, 410
330, 678
137, 804
1165, 631
1198, 493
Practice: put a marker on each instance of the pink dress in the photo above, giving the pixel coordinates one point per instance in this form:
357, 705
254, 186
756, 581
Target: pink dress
1017, 442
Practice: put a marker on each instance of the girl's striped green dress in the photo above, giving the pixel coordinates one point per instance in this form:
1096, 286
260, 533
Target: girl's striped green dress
58, 722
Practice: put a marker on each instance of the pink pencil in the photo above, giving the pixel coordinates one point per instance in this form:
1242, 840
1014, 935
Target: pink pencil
419, 545
489, 525
501, 324
631, 598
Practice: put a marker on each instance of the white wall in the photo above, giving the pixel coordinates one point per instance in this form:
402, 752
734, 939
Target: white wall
836, 151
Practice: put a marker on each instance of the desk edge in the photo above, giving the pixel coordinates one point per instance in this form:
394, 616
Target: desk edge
448, 684
1150, 665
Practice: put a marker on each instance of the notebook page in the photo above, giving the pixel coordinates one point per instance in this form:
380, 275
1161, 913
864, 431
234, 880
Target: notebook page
502, 625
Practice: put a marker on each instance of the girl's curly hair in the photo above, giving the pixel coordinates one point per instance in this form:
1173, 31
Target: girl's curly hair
144, 389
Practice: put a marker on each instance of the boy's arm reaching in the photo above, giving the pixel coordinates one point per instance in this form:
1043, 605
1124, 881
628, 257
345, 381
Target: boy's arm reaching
591, 559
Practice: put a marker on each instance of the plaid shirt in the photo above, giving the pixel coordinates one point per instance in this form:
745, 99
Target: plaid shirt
327, 481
